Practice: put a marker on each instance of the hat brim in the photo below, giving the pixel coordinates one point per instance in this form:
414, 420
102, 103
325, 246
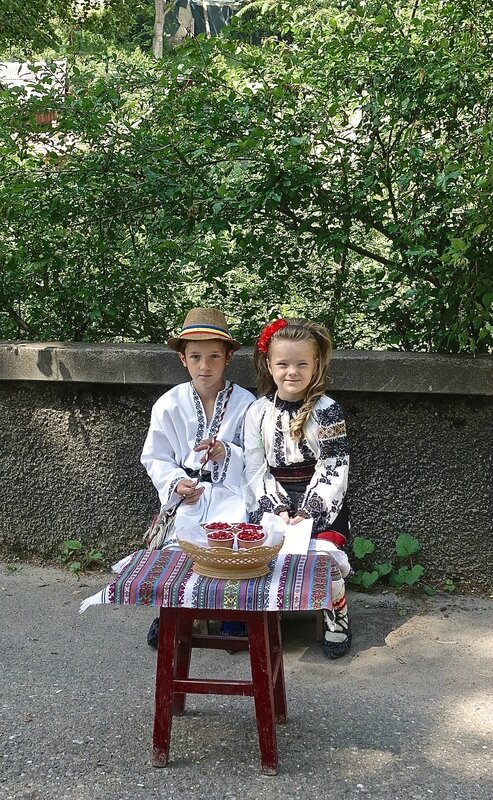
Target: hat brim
177, 341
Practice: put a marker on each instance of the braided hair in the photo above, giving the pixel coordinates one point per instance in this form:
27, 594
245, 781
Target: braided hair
298, 330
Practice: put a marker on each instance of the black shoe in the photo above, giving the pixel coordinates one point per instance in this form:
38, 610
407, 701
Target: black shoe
153, 634
334, 649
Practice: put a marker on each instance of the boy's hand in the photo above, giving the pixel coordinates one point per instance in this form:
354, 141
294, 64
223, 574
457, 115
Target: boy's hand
284, 516
216, 453
188, 491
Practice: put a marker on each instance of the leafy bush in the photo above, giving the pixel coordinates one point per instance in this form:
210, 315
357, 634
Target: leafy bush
395, 574
340, 169
77, 558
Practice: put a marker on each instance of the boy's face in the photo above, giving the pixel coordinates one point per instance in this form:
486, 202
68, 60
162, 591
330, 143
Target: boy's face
206, 362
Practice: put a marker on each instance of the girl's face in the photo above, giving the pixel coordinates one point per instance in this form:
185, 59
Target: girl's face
292, 366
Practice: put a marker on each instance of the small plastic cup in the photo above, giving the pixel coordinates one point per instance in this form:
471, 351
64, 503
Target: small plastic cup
220, 538
250, 538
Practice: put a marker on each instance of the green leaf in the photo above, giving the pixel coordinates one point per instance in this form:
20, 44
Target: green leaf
94, 555
383, 569
361, 547
459, 245
479, 229
369, 578
414, 574
72, 545
395, 579
376, 302
406, 545
357, 578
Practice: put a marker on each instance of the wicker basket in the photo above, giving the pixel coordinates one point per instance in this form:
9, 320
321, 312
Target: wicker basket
221, 562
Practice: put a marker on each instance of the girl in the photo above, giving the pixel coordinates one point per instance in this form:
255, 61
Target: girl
296, 452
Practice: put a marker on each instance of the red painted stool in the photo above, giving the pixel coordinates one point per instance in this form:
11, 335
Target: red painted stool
176, 640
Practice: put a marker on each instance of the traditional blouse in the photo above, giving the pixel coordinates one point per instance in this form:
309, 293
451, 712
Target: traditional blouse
268, 444
178, 424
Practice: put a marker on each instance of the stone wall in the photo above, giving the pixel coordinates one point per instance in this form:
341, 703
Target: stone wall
74, 418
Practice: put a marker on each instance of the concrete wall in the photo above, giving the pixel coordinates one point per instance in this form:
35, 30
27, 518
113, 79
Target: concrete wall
74, 418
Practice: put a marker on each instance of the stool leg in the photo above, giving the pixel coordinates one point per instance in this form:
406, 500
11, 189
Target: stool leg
163, 712
275, 639
183, 657
258, 640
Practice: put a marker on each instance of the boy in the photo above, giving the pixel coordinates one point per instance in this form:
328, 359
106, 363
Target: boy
196, 425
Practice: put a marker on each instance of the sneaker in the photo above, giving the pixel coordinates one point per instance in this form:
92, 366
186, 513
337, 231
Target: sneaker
337, 635
233, 629
153, 634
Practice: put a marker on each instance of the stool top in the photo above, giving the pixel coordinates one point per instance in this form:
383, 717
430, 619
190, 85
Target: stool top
165, 578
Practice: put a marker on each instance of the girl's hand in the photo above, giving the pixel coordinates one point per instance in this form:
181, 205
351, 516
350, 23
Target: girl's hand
188, 491
284, 516
296, 519
216, 453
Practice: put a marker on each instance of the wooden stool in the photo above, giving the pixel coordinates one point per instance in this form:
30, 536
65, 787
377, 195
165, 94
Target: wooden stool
176, 639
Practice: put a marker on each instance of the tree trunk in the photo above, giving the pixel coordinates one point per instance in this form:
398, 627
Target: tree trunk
206, 19
157, 38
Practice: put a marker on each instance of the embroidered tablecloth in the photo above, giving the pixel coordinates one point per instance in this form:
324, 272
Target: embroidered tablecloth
165, 578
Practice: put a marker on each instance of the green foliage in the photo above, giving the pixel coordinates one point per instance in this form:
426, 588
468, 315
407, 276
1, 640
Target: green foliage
450, 586
406, 545
396, 575
29, 27
77, 558
340, 169
361, 547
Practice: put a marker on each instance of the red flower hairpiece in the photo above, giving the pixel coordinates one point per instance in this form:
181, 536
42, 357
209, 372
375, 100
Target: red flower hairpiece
267, 332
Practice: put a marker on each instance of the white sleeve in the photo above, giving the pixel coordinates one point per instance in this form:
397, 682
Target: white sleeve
160, 458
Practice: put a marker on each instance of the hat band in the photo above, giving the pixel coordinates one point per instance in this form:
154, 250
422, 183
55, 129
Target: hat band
204, 330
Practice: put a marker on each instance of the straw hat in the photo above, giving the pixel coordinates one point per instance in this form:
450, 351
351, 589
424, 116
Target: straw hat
201, 324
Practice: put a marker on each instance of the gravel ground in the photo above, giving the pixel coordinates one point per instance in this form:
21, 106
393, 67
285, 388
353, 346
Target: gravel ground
407, 715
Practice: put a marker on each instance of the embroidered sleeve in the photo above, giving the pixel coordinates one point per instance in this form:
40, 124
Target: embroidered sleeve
220, 468
327, 490
229, 471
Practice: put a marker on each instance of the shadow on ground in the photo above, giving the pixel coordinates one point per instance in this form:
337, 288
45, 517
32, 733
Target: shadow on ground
371, 625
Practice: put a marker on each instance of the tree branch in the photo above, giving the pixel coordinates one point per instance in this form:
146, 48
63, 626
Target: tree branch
388, 182
362, 251
288, 212
17, 319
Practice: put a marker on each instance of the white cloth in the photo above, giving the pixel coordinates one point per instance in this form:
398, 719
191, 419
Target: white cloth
267, 443
178, 424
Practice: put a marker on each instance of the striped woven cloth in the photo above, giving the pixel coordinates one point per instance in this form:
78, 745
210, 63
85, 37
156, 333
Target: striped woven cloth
165, 578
